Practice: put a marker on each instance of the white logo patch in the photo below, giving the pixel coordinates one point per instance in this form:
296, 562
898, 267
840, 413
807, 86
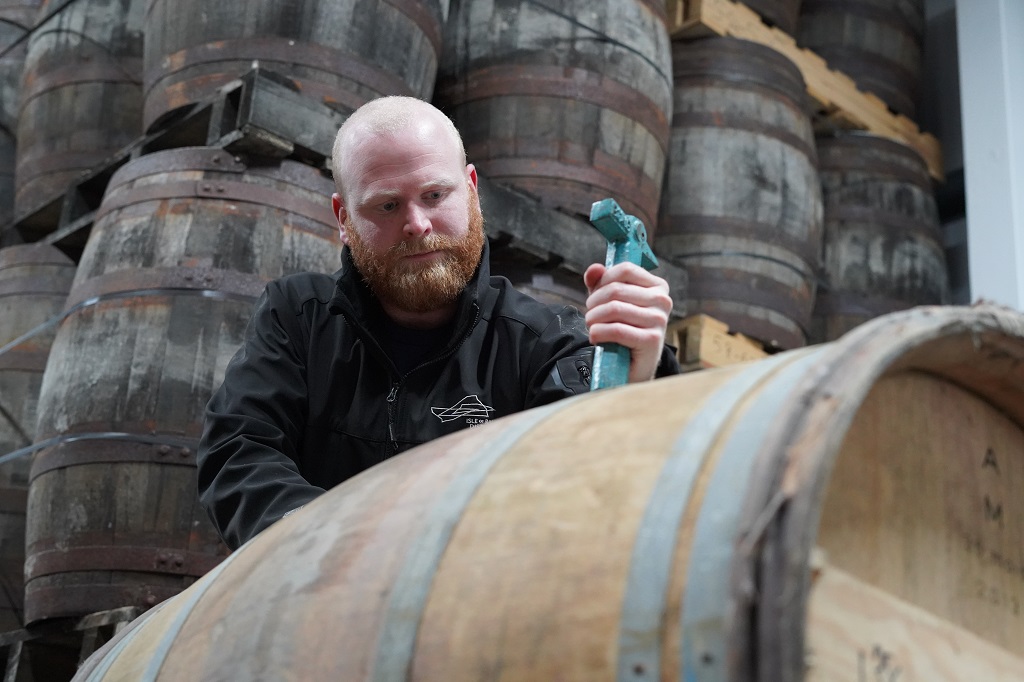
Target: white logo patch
469, 407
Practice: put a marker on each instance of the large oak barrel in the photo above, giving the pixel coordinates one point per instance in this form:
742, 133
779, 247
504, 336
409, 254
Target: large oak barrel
569, 101
34, 281
878, 43
883, 240
182, 245
16, 18
342, 52
81, 97
711, 538
741, 209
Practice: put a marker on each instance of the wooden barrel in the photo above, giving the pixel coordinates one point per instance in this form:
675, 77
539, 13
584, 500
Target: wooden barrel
343, 52
34, 281
569, 102
16, 19
81, 94
182, 245
877, 43
553, 286
883, 240
741, 209
711, 538
783, 14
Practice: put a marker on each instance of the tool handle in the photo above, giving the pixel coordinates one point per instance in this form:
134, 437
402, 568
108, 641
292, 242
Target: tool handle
611, 366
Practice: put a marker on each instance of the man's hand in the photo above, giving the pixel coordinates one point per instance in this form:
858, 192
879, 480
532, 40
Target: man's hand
629, 306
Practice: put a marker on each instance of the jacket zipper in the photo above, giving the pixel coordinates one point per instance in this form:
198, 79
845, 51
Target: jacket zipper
392, 448
392, 398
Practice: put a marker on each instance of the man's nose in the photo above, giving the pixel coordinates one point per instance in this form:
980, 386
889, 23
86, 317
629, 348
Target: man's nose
417, 221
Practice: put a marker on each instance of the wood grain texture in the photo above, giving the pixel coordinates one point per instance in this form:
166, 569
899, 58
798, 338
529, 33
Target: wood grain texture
34, 281
877, 43
741, 210
530, 570
344, 53
859, 633
883, 247
81, 99
181, 248
568, 102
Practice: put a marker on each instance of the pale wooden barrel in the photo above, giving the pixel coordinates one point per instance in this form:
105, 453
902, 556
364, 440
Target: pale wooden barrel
182, 245
568, 102
81, 97
34, 281
741, 210
342, 52
658, 531
883, 242
878, 43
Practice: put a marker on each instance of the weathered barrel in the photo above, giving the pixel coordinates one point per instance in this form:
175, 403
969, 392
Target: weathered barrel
183, 243
34, 281
81, 94
878, 43
783, 14
569, 102
343, 52
883, 240
16, 18
712, 538
553, 286
741, 209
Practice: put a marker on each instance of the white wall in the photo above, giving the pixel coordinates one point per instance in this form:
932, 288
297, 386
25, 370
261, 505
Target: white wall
991, 56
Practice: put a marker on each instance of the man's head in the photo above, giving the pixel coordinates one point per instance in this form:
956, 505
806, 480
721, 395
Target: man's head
407, 206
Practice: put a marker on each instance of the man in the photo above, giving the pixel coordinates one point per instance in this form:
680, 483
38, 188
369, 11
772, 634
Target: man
410, 340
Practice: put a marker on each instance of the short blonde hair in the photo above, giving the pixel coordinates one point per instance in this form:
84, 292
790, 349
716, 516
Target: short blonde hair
385, 116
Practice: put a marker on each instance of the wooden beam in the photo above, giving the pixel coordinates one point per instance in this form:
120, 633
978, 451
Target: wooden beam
859, 633
842, 104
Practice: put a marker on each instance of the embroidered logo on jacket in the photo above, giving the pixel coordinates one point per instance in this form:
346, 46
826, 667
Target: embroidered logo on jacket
469, 407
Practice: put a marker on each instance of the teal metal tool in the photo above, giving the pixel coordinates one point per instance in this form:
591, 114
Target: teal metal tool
627, 243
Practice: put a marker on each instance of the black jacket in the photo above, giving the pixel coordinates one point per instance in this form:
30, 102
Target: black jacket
312, 399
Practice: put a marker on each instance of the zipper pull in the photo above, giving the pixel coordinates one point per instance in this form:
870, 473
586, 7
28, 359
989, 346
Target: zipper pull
394, 394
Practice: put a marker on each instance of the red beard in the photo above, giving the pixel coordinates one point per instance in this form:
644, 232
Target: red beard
414, 287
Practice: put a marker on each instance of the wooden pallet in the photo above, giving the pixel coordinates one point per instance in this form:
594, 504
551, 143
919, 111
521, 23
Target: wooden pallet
53, 650
842, 105
705, 342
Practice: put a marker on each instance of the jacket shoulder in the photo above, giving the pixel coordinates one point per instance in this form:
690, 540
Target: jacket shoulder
516, 306
296, 290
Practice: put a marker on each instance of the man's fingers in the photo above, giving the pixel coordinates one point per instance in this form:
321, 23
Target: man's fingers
629, 313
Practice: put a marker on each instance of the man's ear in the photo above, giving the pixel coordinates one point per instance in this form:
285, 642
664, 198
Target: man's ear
471, 175
340, 214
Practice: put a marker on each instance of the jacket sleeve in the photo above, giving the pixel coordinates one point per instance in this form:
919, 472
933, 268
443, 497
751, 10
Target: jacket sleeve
248, 477
568, 359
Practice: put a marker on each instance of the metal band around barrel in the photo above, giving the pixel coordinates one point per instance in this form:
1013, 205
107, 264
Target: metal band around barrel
704, 617
646, 593
172, 441
57, 319
411, 588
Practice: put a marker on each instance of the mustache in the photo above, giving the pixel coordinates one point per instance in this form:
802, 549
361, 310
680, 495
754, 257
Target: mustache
415, 247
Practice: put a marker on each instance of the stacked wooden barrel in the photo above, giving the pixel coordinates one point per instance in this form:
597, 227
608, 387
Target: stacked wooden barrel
81, 98
878, 43
568, 102
16, 18
181, 248
883, 242
741, 209
34, 281
344, 52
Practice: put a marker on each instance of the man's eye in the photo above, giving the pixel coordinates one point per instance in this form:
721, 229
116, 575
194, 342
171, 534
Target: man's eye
389, 206
435, 195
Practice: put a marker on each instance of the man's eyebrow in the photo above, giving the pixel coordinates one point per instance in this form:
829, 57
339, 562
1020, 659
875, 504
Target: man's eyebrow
379, 196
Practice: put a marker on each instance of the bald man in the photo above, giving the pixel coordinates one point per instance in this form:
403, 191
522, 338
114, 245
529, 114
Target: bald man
411, 340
